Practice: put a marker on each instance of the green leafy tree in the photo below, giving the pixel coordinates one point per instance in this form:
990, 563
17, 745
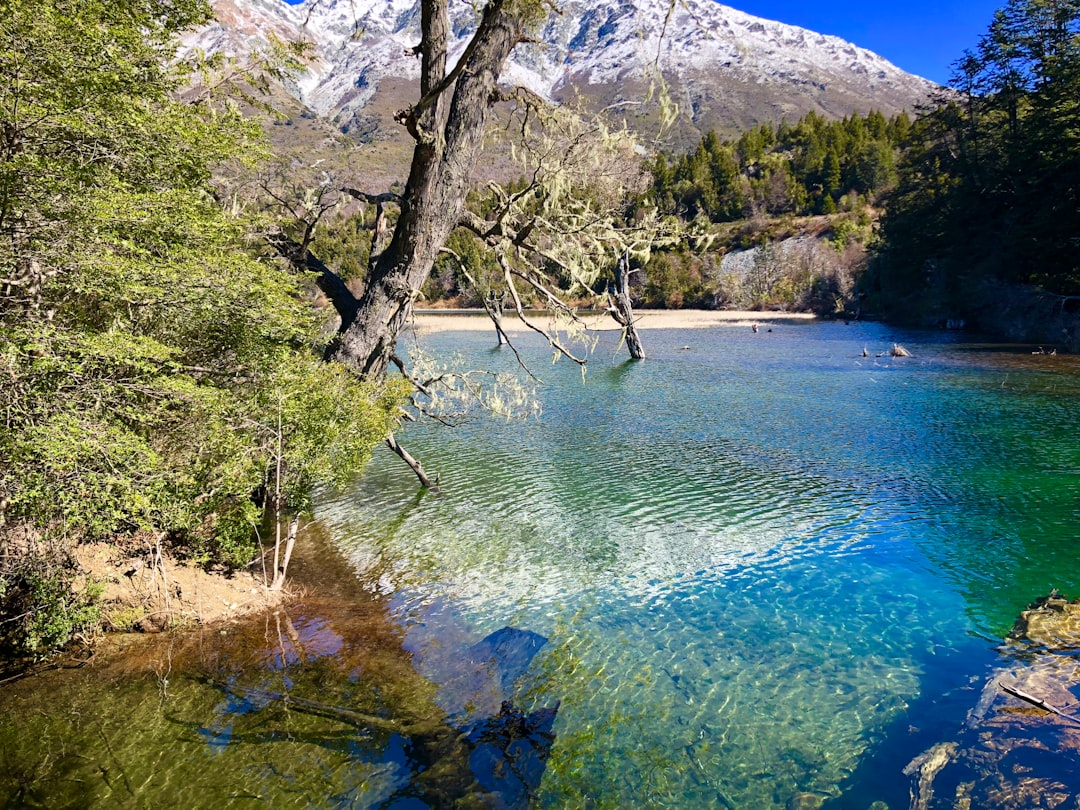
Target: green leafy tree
143, 350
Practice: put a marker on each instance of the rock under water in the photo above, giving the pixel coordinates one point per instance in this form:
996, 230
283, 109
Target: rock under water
1020, 745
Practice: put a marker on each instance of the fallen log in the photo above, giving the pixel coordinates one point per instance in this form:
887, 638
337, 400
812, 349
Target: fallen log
1039, 702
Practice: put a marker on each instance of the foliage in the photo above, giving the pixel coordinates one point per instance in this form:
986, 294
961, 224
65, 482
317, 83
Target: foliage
554, 236
749, 192
346, 246
465, 271
990, 188
300, 196
587, 193
675, 279
42, 607
801, 273
582, 178
804, 168
321, 423
144, 351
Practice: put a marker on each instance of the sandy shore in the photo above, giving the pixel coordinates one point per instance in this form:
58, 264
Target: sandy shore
459, 320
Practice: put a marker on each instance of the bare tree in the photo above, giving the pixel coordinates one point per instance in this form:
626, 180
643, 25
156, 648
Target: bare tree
551, 236
448, 124
622, 309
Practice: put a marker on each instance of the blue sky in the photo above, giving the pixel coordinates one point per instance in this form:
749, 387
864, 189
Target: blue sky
920, 36
923, 37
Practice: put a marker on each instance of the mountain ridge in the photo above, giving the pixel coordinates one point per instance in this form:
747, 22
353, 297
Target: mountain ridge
727, 70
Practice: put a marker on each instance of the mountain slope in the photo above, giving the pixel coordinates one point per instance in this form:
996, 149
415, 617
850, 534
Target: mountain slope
726, 69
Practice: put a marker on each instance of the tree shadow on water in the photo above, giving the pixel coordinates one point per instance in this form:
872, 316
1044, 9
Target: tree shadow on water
471, 744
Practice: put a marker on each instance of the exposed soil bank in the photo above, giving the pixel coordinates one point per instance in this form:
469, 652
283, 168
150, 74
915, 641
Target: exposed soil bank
144, 594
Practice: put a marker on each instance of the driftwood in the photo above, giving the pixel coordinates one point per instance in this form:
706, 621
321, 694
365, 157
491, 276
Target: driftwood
358, 719
1039, 702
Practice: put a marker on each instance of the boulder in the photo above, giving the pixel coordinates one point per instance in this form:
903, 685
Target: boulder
1051, 621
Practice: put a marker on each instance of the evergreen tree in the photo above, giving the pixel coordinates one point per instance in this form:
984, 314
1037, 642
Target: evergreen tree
786, 169
831, 174
990, 187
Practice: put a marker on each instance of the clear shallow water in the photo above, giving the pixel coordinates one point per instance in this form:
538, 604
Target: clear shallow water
758, 560
770, 571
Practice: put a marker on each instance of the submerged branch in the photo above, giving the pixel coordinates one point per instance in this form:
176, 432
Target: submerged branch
413, 463
1039, 702
354, 718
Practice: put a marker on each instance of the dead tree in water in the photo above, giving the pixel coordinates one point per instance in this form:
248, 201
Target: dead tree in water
622, 310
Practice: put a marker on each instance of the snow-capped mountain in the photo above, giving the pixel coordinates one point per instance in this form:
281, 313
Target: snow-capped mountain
726, 69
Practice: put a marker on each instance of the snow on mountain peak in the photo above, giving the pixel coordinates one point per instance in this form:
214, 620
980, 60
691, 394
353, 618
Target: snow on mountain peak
739, 67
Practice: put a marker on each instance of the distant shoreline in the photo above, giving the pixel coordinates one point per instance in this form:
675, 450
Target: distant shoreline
469, 320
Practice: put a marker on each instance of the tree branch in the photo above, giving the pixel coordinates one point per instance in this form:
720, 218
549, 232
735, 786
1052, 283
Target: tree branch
419, 386
508, 274
331, 284
414, 465
373, 199
496, 317
434, 81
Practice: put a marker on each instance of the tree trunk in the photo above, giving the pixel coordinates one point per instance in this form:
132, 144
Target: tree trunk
282, 567
448, 147
494, 306
623, 311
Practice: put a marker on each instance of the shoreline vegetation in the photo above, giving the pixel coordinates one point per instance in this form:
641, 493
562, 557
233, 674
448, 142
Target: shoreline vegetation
144, 593
149, 591
144, 590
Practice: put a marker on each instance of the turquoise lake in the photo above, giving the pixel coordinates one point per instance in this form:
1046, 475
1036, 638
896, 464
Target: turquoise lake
765, 564
769, 570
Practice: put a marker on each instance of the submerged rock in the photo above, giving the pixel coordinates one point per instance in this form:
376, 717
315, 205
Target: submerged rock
1020, 745
805, 801
924, 769
1050, 621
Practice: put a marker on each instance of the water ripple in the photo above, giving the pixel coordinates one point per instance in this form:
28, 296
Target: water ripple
746, 557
